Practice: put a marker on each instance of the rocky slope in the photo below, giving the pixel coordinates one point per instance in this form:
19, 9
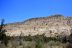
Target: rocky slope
50, 26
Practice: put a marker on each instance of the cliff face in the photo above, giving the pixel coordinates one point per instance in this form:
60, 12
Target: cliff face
50, 26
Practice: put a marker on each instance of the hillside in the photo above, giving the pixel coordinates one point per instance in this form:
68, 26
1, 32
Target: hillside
51, 26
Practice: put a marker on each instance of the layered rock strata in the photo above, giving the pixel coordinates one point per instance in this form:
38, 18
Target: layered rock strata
50, 26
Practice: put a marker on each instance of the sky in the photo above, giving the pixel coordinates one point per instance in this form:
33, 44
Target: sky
20, 10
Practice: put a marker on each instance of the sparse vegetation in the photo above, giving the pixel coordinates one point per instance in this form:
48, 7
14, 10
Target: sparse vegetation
39, 41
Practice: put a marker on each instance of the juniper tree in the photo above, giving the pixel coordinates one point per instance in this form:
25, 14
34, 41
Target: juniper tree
3, 37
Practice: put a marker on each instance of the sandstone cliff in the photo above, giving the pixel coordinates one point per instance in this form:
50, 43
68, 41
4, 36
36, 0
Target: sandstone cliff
50, 26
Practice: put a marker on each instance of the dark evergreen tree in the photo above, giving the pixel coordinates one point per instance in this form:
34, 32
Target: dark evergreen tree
3, 37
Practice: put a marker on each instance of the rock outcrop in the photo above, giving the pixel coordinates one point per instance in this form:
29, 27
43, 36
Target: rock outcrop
50, 26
